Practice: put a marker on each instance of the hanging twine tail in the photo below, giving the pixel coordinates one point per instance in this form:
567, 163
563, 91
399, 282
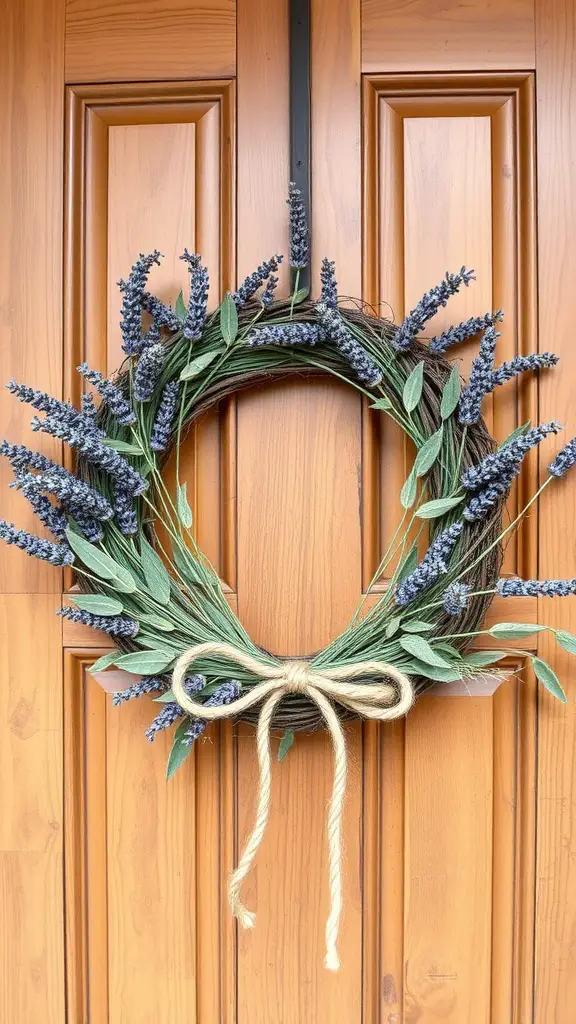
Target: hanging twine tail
325, 688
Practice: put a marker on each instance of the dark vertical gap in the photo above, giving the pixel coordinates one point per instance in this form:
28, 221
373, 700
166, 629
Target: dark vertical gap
300, 108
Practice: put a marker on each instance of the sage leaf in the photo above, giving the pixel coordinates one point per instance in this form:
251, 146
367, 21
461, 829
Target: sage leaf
104, 662
98, 604
437, 507
429, 452
392, 627
514, 630
515, 434
164, 625
382, 403
449, 649
122, 446
566, 640
155, 572
101, 563
165, 698
409, 564
548, 677
228, 320
439, 674
180, 308
412, 392
187, 565
182, 506
285, 743
146, 663
181, 749
419, 648
198, 364
408, 492
479, 659
417, 626
450, 394
300, 295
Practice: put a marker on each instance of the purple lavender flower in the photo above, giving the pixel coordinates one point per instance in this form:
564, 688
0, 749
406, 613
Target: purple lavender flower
482, 503
148, 684
564, 460
111, 393
51, 516
224, 694
329, 295
148, 370
268, 294
114, 625
513, 367
89, 410
480, 379
502, 466
56, 554
133, 291
455, 598
428, 306
337, 331
125, 514
299, 238
44, 402
165, 416
172, 711
433, 565
88, 525
254, 281
21, 457
96, 453
73, 492
196, 312
455, 335
295, 333
162, 315
535, 588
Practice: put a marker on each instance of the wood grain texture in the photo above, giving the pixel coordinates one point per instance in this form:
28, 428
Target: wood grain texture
445, 35
135, 40
555, 994
31, 62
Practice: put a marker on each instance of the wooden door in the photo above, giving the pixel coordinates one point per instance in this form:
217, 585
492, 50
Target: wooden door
442, 134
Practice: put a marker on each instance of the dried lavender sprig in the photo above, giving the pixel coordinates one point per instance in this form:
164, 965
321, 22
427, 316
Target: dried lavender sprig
199, 283
428, 306
564, 460
329, 294
56, 554
520, 364
88, 525
73, 492
433, 565
148, 684
125, 514
50, 515
162, 315
480, 379
111, 393
44, 402
133, 291
295, 333
440, 343
268, 294
535, 588
254, 281
299, 236
482, 503
89, 410
503, 465
21, 457
172, 711
366, 370
224, 694
165, 417
455, 598
148, 370
96, 453
114, 625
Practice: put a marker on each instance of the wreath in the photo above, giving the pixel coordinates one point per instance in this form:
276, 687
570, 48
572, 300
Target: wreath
144, 581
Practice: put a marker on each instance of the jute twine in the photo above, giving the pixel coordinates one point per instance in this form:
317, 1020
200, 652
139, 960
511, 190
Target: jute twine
324, 687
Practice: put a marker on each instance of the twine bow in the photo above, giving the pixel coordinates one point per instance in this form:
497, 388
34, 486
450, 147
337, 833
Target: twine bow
324, 687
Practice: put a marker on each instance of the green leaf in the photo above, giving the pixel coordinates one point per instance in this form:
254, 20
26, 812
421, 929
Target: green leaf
146, 663
187, 565
198, 364
421, 649
439, 674
428, 453
228, 320
381, 403
412, 392
515, 434
449, 649
180, 749
566, 640
548, 677
164, 625
433, 509
98, 604
479, 659
122, 446
182, 506
450, 394
155, 572
165, 698
408, 492
409, 564
104, 662
180, 308
159, 644
417, 626
285, 743
101, 563
392, 627
301, 294
514, 630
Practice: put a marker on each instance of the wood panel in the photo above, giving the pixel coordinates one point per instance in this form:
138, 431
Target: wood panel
149, 39
446, 35
556, 894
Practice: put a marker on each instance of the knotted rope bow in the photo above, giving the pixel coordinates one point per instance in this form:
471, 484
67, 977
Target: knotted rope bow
382, 701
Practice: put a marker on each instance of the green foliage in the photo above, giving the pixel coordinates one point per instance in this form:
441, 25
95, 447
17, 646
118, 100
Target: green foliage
180, 749
196, 366
97, 604
450, 394
548, 677
106, 567
228, 320
184, 510
155, 572
285, 743
412, 392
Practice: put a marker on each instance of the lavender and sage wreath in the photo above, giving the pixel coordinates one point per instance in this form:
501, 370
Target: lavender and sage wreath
156, 594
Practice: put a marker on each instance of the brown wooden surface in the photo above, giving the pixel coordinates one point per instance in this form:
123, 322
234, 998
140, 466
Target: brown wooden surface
459, 902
